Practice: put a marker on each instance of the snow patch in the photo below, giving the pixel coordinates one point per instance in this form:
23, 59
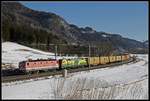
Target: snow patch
104, 35
13, 53
128, 81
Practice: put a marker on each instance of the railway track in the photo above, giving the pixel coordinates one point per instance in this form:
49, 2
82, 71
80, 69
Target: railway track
60, 72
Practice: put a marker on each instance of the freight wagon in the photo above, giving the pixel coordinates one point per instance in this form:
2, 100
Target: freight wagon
112, 59
104, 59
73, 63
94, 61
118, 58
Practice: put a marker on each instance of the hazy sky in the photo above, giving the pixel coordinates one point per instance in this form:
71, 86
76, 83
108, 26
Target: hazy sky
129, 19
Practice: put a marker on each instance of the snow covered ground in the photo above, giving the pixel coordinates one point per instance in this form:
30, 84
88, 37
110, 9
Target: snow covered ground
13, 53
128, 81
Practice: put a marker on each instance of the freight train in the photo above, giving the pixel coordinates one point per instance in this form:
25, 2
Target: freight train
53, 64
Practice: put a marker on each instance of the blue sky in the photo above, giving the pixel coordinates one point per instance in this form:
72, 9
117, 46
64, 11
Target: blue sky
129, 19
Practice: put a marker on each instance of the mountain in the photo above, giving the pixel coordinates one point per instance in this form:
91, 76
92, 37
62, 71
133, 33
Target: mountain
24, 25
146, 43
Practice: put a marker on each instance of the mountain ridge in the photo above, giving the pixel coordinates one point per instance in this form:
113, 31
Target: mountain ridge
47, 27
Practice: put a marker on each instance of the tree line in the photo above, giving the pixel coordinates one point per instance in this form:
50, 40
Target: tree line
26, 35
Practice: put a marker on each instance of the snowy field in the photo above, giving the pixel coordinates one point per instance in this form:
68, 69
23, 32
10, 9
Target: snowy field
128, 81
13, 53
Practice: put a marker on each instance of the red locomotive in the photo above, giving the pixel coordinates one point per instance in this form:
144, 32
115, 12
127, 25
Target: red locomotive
42, 64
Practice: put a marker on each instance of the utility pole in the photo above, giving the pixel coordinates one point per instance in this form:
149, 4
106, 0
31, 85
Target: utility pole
89, 54
55, 51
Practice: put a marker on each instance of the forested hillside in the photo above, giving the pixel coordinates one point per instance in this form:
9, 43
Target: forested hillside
26, 26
